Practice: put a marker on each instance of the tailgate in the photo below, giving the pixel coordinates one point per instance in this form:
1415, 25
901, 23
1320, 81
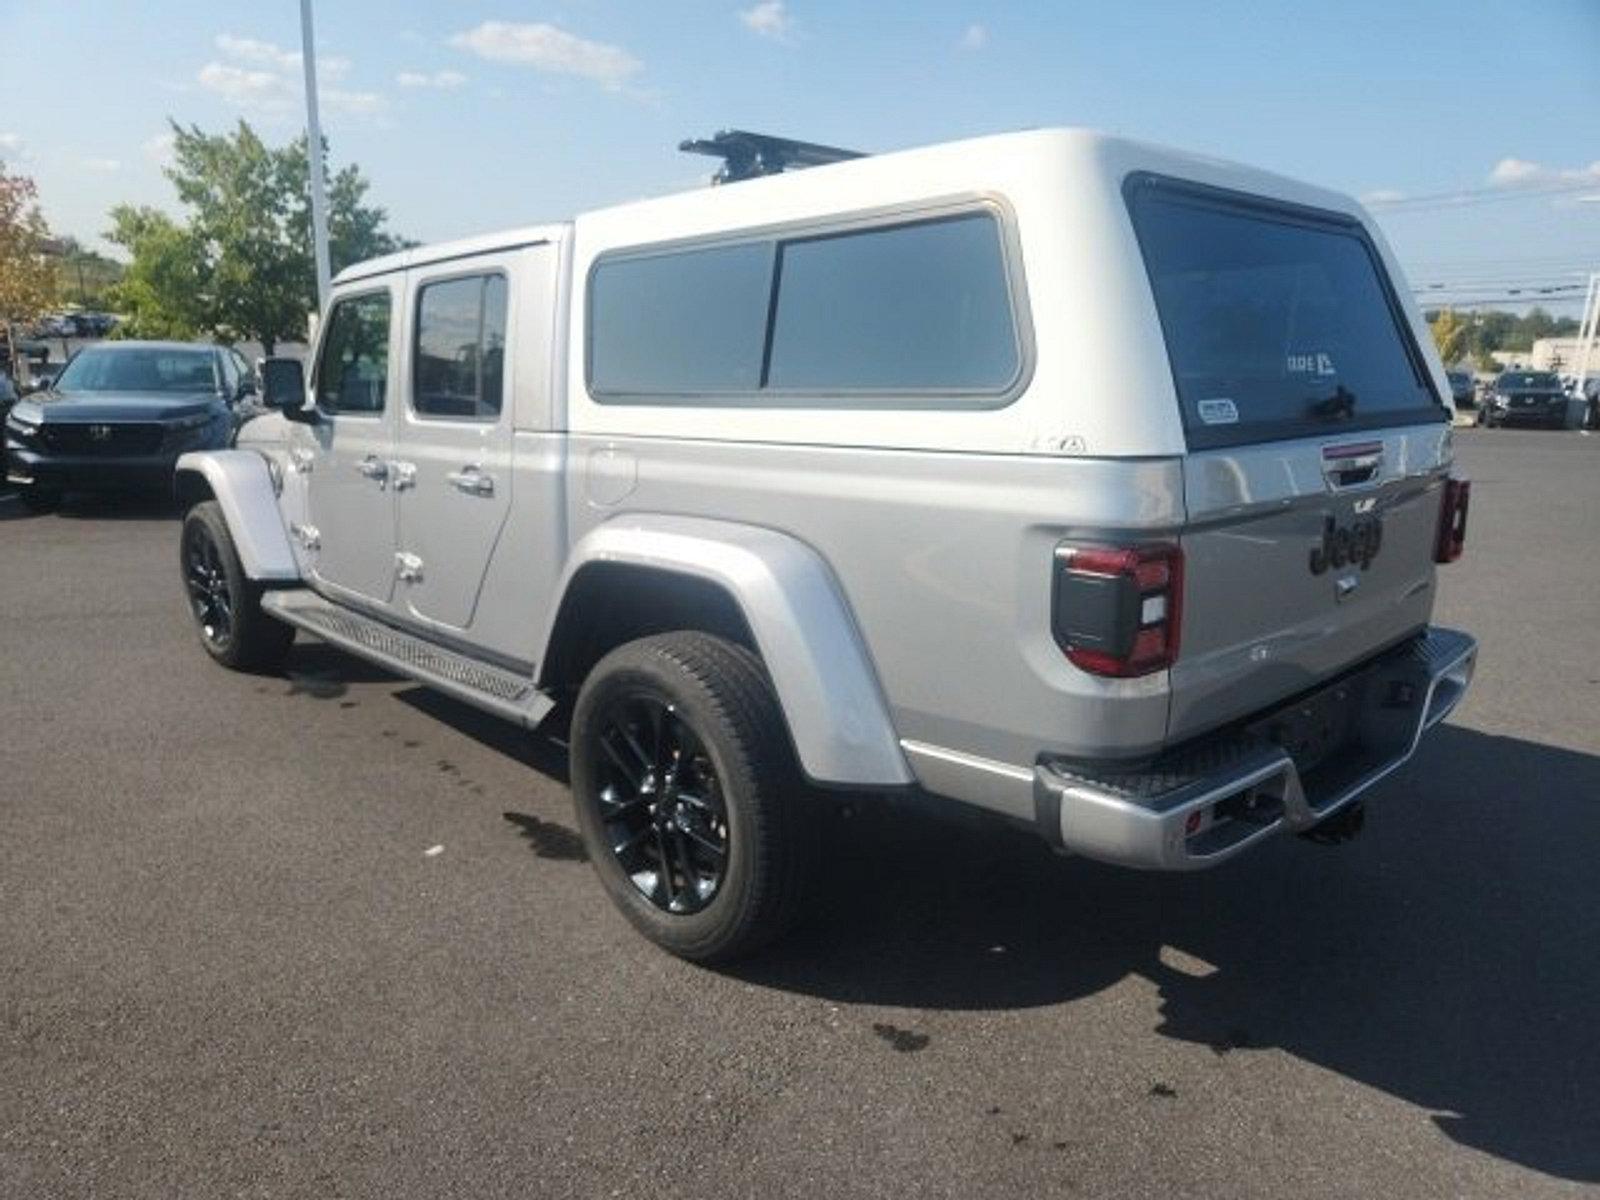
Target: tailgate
1301, 558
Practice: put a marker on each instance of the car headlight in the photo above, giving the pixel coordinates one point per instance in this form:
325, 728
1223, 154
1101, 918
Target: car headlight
198, 421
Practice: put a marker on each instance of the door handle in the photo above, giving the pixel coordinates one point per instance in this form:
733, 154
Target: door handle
373, 467
472, 480
405, 475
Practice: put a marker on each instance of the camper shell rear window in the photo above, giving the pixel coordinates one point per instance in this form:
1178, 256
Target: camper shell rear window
1279, 321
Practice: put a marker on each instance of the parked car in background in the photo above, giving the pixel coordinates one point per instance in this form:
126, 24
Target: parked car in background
1462, 389
8, 396
120, 414
29, 351
1529, 398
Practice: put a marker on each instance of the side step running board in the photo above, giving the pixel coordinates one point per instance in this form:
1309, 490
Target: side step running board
492, 688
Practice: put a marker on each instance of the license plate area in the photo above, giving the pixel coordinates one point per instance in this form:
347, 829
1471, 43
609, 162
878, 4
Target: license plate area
1315, 727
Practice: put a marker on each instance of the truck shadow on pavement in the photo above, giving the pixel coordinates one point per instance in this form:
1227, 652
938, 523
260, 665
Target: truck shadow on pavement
1449, 956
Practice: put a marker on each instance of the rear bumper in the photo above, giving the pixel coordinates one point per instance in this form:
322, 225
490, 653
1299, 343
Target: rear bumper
1208, 800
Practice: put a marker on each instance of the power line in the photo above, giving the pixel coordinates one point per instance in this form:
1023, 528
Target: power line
1472, 197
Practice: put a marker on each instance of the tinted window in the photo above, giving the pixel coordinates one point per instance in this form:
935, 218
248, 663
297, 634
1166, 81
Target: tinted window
1276, 326
459, 370
1529, 380
353, 373
141, 369
922, 307
679, 323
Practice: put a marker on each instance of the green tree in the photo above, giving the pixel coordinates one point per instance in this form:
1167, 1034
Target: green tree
1450, 335
28, 276
241, 264
162, 290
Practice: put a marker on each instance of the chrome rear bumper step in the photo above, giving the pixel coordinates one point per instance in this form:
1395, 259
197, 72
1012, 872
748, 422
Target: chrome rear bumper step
1206, 801
484, 685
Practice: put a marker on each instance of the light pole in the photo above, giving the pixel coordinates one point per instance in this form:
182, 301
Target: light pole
319, 201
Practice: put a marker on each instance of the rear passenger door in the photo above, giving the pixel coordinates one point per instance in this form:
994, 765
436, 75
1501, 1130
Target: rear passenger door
453, 468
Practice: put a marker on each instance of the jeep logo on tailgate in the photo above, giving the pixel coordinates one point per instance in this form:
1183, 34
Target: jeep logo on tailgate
1358, 542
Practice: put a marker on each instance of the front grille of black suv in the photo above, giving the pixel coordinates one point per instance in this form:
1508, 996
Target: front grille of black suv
108, 439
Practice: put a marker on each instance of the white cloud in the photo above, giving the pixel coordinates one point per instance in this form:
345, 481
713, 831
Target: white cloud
248, 87
11, 143
769, 18
438, 79
975, 37
257, 53
158, 149
272, 85
100, 166
1519, 172
549, 48
1382, 196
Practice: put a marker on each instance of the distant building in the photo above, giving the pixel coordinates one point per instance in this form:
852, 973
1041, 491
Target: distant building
1560, 354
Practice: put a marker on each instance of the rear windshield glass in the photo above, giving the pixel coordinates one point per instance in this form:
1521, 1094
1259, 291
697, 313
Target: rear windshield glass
1529, 380
1277, 324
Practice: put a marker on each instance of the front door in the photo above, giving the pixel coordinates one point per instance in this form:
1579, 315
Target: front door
454, 458
349, 532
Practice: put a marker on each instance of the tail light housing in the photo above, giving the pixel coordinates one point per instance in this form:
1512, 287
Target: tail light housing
1452, 536
1117, 611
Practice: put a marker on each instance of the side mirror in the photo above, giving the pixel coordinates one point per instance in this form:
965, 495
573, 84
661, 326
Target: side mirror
283, 383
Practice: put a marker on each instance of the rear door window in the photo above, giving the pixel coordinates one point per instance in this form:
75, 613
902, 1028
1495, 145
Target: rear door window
1278, 322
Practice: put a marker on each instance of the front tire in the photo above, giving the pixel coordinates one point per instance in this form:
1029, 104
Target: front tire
225, 603
688, 797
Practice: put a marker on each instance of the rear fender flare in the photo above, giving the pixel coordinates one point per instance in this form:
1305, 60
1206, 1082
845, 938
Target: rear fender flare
801, 623
242, 484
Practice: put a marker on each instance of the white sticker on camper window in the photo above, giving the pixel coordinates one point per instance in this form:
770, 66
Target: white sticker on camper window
1311, 364
1219, 411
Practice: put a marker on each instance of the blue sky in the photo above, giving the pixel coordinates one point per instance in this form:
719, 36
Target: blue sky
470, 116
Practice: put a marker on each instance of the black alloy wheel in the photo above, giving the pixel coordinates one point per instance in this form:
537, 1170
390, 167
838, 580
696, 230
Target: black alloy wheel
688, 795
660, 803
206, 579
225, 602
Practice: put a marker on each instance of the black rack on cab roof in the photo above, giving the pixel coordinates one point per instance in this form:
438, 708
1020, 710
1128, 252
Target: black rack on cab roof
747, 155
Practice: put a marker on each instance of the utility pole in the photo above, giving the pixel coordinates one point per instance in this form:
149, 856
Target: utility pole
319, 201
1587, 330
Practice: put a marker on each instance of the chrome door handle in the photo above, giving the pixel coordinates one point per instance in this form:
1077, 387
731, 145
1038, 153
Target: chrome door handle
472, 480
373, 467
405, 475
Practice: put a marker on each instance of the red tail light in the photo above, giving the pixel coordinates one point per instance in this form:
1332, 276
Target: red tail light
1452, 538
1116, 611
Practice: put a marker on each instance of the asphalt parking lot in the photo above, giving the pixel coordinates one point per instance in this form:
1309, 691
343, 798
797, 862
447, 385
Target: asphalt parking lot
229, 965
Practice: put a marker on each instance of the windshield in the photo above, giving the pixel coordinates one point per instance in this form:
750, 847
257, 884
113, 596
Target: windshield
1528, 381
141, 369
1278, 323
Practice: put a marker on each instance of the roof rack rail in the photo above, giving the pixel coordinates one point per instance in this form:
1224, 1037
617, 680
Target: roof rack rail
748, 155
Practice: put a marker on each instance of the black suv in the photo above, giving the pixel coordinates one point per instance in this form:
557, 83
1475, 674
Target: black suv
1525, 398
120, 414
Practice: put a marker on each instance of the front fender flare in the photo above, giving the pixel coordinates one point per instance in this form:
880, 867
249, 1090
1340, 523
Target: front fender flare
242, 484
801, 622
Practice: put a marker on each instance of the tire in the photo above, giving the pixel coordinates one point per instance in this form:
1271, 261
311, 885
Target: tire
678, 745
224, 602
39, 500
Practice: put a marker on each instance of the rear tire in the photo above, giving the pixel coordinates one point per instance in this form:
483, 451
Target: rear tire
688, 796
225, 603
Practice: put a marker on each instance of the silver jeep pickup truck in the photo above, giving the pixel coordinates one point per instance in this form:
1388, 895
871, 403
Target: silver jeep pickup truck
1095, 485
